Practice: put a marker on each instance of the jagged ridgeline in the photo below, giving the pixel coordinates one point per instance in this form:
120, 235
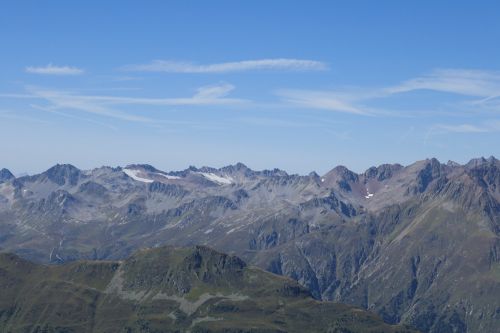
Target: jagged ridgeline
166, 290
416, 244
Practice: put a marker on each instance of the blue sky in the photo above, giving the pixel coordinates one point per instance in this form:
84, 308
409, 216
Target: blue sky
299, 85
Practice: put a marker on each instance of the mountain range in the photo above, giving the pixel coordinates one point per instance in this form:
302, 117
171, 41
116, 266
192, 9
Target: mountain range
418, 244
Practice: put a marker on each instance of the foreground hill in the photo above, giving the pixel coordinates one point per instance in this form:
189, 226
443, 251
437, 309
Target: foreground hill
417, 244
166, 290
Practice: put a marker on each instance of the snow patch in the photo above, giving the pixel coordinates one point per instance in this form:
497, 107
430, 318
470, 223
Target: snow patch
167, 176
368, 194
209, 231
216, 179
134, 174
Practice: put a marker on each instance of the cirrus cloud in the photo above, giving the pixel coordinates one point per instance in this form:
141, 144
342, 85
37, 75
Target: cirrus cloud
283, 64
467, 82
325, 100
110, 106
54, 70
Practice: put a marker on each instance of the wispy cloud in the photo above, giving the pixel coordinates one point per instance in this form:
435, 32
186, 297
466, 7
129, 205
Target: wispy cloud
477, 83
63, 101
484, 127
281, 64
214, 91
109, 106
461, 128
54, 70
72, 116
324, 100
207, 95
273, 122
467, 83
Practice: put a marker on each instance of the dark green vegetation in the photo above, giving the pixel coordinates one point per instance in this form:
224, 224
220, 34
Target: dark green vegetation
418, 245
166, 290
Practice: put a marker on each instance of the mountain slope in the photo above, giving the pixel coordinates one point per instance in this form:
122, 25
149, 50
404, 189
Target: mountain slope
166, 290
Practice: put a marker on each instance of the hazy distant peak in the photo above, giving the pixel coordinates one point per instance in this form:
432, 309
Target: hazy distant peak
146, 167
6, 175
62, 173
235, 167
383, 171
481, 160
342, 172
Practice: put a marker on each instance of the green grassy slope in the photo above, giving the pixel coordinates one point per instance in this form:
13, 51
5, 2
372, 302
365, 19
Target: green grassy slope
166, 290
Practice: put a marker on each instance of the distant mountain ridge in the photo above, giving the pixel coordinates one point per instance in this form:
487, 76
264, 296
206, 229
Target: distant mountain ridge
418, 244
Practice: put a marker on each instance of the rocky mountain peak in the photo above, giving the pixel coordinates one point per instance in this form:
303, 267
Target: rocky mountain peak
6, 175
485, 173
476, 162
145, 167
340, 176
382, 172
206, 258
235, 167
313, 175
274, 173
431, 170
344, 173
453, 164
178, 270
63, 173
